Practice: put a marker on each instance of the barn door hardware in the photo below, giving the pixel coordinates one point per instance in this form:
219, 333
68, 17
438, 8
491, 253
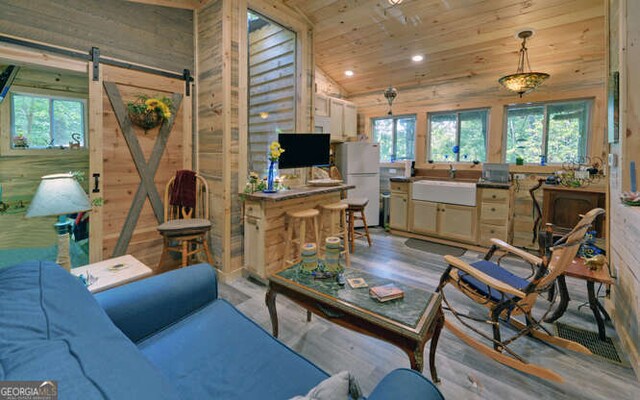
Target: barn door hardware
96, 183
186, 75
95, 60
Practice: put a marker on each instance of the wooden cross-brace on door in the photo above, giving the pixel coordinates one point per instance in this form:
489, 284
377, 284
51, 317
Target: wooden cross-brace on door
146, 170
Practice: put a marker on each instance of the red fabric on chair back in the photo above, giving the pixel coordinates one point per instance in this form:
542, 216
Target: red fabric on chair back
183, 192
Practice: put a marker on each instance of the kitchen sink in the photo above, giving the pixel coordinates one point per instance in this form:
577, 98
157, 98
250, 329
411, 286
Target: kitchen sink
450, 192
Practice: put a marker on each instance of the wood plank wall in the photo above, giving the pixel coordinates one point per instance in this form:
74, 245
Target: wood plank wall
20, 175
624, 47
209, 114
324, 84
161, 37
222, 70
272, 79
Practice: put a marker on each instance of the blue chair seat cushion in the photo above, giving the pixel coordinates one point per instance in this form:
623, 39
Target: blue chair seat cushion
497, 272
224, 355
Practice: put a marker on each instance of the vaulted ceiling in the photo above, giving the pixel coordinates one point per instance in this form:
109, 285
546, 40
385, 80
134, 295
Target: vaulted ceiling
459, 39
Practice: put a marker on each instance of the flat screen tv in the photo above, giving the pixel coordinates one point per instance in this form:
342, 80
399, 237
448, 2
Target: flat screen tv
304, 149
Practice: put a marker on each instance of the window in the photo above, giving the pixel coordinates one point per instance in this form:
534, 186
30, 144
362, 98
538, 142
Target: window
551, 132
43, 121
396, 136
458, 136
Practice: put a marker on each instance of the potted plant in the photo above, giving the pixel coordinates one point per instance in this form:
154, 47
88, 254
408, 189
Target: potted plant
20, 142
149, 112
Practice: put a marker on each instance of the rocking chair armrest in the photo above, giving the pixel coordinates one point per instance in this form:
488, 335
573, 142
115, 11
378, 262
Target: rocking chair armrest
516, 251
484, 278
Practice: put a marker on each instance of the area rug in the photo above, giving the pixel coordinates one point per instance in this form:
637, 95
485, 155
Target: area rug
435, 248
604, 349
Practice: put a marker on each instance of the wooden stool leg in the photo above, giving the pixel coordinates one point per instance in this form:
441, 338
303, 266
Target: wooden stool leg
185, 252
352, 231
302, 237
323, 234
345, 236
317, 237
366, 228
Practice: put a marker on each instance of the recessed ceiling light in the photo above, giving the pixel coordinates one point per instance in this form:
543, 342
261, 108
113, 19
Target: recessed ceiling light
348, 72
417, 58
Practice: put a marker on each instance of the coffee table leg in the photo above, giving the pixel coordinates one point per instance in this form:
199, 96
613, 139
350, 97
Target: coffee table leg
416, 358
270, 300
434, 345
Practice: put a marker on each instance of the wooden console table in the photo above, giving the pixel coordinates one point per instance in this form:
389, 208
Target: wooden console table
562, 205
577, 269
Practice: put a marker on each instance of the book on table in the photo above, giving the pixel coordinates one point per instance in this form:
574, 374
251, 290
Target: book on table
386, 292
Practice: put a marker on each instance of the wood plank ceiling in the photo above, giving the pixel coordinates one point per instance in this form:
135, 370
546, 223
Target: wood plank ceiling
459, 39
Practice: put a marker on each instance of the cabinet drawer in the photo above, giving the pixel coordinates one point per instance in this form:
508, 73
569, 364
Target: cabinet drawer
495, 195
494, 213
402, 187
491, 231
253, 210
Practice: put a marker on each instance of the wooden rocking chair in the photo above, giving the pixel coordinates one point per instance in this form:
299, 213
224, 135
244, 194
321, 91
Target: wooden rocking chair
507, 296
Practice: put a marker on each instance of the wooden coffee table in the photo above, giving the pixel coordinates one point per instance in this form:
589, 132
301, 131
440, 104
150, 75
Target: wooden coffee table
407, 323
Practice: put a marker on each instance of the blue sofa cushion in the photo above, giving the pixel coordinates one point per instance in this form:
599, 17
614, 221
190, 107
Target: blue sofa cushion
494, 271
224, 355
405, 384
51, 328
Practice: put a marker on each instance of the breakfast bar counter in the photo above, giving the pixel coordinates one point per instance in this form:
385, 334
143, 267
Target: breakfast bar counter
265, 224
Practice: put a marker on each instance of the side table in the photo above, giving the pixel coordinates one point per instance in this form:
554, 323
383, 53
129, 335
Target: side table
577, 269
113, 272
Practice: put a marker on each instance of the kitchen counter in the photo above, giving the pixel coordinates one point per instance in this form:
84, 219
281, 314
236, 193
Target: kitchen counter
295, 193
483, 184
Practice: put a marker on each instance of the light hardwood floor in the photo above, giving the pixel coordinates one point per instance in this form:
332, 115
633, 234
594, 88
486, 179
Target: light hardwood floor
464, 372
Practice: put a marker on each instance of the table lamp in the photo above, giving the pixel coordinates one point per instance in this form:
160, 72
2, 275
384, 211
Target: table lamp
59, 194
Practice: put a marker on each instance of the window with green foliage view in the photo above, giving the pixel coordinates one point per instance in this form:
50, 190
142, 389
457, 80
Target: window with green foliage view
552, 132
458, 136
396, 136
41, 121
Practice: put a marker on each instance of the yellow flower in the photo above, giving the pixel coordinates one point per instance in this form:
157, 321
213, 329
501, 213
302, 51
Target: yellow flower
152, 103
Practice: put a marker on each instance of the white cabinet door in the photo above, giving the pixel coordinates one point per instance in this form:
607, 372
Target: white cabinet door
350, 123
337, 117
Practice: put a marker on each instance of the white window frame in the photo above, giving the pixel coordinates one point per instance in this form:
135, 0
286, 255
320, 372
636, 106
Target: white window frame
487, 111
7, 126
545, 126
395, 118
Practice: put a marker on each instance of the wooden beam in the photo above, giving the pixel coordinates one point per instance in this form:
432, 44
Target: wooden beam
184, 4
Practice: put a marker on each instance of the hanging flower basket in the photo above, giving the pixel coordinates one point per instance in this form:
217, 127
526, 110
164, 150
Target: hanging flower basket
149, 112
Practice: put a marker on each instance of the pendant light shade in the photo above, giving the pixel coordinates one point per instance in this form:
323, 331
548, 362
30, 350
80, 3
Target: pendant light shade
523, 82
390, 94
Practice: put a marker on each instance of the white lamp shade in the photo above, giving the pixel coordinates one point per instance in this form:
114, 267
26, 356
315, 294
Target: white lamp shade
58, 194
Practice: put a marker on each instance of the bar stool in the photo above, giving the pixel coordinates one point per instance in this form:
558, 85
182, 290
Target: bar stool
337, 215
355, 211
299, 218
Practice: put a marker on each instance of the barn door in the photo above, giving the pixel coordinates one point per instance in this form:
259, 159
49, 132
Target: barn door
135, 165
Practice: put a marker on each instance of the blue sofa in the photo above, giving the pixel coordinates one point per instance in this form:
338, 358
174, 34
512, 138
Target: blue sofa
165, 337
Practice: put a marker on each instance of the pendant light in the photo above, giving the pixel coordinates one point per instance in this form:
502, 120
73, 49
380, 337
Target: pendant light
390, 94
523, 82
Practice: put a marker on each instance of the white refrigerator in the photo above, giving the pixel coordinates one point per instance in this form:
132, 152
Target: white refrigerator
359, 164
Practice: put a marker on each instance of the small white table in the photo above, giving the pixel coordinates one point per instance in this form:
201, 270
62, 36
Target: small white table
113, 272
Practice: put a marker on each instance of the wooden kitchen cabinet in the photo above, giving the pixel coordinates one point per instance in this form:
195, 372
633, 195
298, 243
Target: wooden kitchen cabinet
496, 215
336, 116
457, 222
447, 221
399, 210
424, 217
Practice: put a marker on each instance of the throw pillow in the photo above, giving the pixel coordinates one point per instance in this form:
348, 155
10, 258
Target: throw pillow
337, 387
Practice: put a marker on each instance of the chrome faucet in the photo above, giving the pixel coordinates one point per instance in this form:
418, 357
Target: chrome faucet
452, 172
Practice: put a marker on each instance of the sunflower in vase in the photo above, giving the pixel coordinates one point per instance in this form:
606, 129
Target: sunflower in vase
275, 151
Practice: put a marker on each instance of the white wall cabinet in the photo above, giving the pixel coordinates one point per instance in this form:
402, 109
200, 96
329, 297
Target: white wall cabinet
336, 116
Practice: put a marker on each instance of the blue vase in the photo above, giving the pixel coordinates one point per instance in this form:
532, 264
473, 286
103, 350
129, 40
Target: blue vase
271, 177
